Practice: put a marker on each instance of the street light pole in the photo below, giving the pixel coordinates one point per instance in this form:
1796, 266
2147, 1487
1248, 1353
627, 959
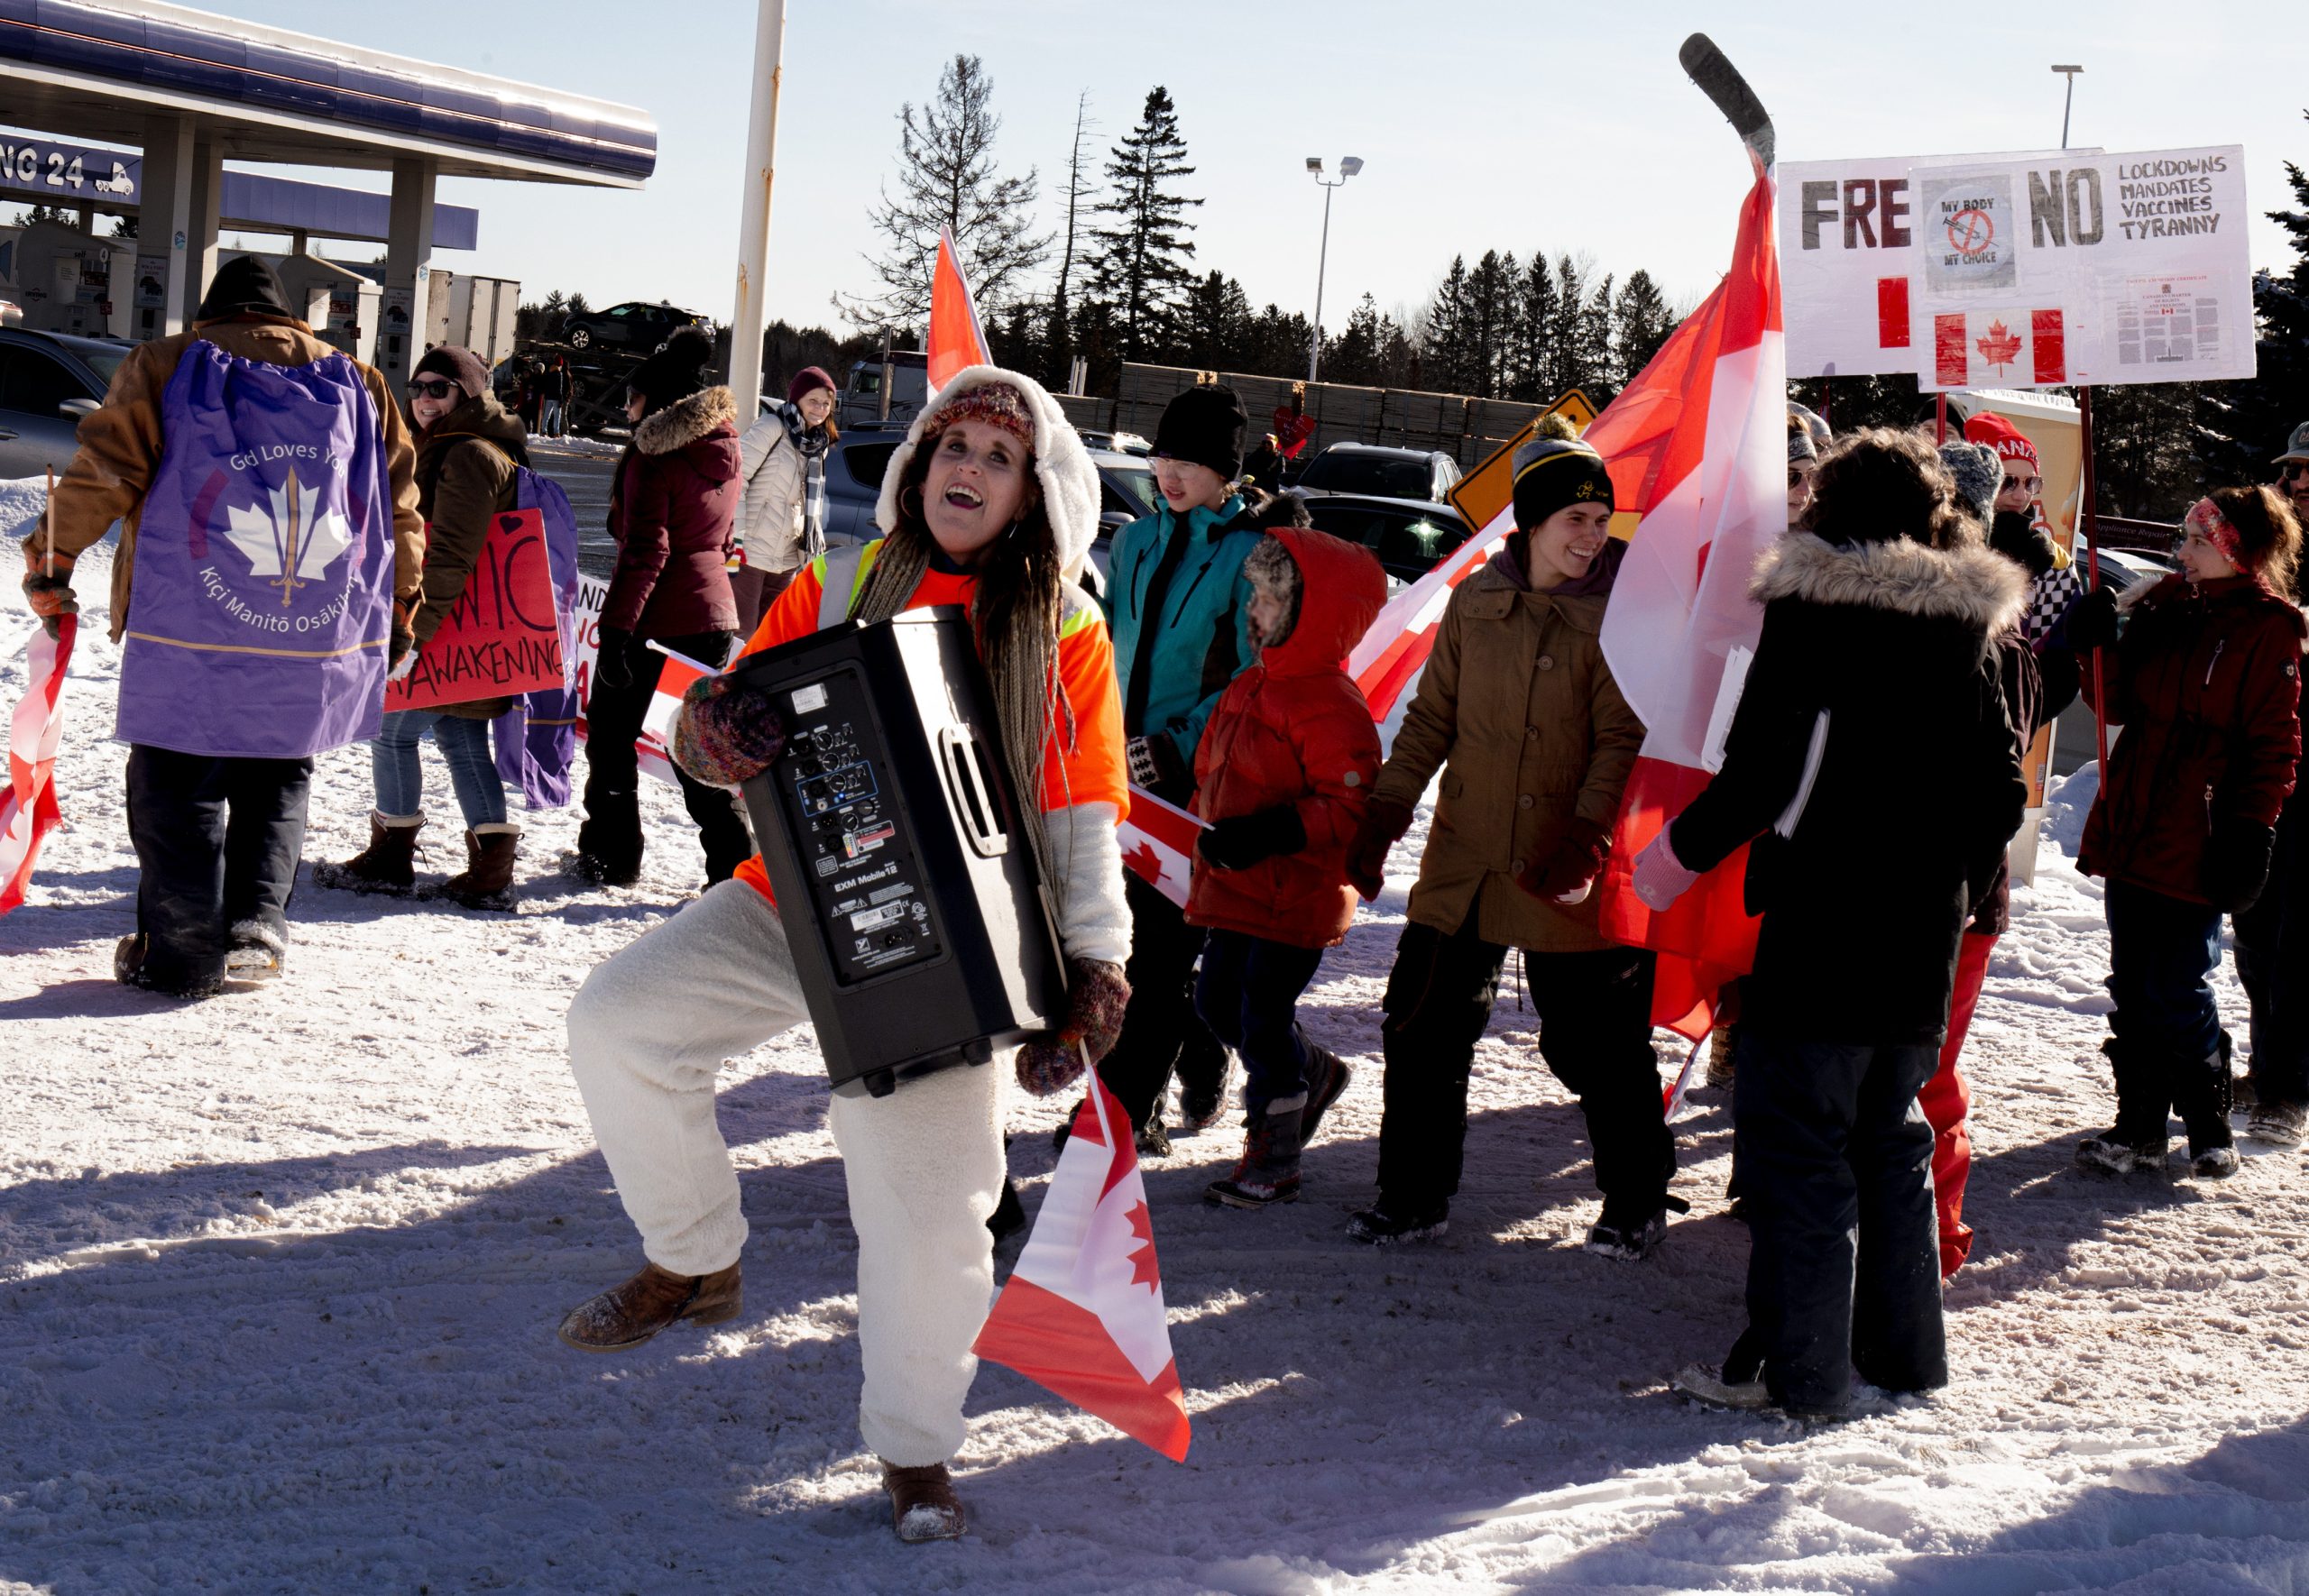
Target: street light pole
1347, 167
2069, 99
750, 315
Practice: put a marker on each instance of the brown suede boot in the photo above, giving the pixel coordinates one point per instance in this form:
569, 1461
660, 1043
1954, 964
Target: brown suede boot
388, 865
627, 1315
487, 880
922, 1503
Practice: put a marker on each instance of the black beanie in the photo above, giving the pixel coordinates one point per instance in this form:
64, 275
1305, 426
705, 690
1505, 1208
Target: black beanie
1555, 469
675, 371
243, 283
459, 365
1205, 426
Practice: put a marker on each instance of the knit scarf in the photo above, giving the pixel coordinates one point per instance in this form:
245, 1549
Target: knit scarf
811, 444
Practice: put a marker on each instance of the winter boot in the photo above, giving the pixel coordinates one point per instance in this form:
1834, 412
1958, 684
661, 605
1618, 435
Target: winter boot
2279, 1124
627, 1315
2201, 1097
2137, 1140
1390, 1223
1722, 1042
388, 865
1203, 1068
1738, 1385
487, 880
1329, 1077
254, 951
132, 967
1153, 1140
1009, 1216
1628, 1229
609, 842
1268, 1170
922, 1503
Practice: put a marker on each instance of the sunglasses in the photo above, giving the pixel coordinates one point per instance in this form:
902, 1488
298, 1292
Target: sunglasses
2291, 469
2031, 486
432, 387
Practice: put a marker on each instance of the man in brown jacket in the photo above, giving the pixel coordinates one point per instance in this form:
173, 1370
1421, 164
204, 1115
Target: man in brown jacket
218, 836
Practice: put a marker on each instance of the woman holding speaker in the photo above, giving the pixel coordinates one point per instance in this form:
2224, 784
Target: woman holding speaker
989, 504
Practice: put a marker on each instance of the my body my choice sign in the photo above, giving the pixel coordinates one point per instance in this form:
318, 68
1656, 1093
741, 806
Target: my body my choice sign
2020, 270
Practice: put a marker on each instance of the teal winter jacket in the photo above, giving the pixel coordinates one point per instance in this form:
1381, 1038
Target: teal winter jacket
1172, 666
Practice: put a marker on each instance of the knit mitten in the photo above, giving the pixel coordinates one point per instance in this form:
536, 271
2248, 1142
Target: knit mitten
1097, 995
726, 732
1567, 875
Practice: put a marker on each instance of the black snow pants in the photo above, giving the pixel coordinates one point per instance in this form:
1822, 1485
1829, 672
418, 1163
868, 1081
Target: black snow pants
217, 842
1161, 1031
2273, 965
1836, 1177
1595, 1012
613, 715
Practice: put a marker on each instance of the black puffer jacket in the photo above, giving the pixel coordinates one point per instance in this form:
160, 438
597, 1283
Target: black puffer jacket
1885, 651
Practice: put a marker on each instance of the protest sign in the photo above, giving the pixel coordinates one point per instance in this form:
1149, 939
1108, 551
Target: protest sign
2081, 269
503, 636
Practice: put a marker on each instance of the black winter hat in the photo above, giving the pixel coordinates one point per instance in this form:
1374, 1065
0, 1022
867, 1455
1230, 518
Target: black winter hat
1205, 426
459, 365
1553, 469
244, 283
675, 371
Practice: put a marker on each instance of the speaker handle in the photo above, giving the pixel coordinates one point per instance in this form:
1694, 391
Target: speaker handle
961, 752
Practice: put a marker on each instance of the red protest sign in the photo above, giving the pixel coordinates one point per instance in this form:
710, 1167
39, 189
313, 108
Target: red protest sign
1293, 430
500, 638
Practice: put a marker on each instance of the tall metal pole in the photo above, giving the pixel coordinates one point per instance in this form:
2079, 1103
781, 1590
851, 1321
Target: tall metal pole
2068, 97
750, 315
1322, 262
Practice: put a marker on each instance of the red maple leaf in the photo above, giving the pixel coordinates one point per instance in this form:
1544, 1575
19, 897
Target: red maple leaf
2002, 347
1144, 1271
1143, 862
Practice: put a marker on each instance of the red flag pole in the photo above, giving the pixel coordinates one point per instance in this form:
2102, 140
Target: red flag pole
1939, 419
2092, 568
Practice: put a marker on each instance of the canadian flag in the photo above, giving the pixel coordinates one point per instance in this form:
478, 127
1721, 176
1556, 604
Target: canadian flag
1082, 1313
28, 810
957, 337
1158, 844
1696, 447
2001, 348
655, 745
1390, 656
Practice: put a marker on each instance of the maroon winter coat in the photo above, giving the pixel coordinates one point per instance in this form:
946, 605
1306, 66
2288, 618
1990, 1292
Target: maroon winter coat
2206, 682
671, 510
1295, 729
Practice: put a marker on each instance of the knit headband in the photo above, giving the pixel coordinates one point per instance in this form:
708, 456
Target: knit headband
2205, 519
996, 404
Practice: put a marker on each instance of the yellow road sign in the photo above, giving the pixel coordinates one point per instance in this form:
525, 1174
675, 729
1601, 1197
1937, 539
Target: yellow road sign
1490, 488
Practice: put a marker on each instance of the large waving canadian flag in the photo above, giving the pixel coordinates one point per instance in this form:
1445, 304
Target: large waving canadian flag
1082, 1313
1696, 447
957, 337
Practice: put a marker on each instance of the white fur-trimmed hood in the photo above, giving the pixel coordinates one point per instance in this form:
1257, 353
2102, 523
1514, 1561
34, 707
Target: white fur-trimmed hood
1984, 591
1063, 468
684, 421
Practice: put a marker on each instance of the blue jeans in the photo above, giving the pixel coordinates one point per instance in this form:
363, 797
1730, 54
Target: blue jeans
1247, 994
463, 744
2161, 951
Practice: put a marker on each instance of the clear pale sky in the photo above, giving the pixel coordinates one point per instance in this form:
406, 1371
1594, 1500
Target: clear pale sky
1484, 125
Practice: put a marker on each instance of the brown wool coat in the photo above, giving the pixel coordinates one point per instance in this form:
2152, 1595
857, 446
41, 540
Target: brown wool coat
465, 476
121, 446
1519, 713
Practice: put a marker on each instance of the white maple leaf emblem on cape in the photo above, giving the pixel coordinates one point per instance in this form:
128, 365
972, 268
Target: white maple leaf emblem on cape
282, 541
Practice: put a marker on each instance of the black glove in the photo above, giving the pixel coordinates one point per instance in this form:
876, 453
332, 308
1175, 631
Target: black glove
2019, 539
1244, 839
2091, 621
613, 660
2237, 865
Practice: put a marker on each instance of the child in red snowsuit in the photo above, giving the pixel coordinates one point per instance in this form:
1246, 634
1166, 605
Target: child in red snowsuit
1283, 775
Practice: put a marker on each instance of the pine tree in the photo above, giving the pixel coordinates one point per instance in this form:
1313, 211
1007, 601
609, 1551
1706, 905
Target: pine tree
1443, 336
1566, 367
2245, 425
1595, 352
1491, 314
1058, 333
1214, 323
44, 213
1141, 265
1531, 365
1641, 323
1356, 356
947, 178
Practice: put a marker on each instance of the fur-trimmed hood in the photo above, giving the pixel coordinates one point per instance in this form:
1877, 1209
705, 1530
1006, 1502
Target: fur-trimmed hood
686, 420
1063, 468
1982, 591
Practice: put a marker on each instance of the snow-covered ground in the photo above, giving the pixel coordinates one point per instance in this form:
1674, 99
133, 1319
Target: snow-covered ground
279, 1274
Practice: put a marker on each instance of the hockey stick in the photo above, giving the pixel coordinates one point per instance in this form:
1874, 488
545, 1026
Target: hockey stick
1721, 82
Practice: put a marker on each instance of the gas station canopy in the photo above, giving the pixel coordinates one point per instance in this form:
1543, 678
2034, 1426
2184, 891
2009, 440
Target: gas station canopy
98, 69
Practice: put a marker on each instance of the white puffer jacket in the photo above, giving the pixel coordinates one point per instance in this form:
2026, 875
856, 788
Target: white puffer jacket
770, 522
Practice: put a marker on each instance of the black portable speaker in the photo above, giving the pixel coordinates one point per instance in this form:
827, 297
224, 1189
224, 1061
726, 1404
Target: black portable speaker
891, 833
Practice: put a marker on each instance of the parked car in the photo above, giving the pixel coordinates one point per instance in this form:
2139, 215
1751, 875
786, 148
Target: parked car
48, 381
1114, 443
634, 327
1375, 470
1407, 535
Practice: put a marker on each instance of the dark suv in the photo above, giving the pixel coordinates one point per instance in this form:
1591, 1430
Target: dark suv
633, 327
48, 381
1376, 470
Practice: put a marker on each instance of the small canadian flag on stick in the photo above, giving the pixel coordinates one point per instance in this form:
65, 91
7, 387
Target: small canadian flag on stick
1082, 1313
2004, 348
